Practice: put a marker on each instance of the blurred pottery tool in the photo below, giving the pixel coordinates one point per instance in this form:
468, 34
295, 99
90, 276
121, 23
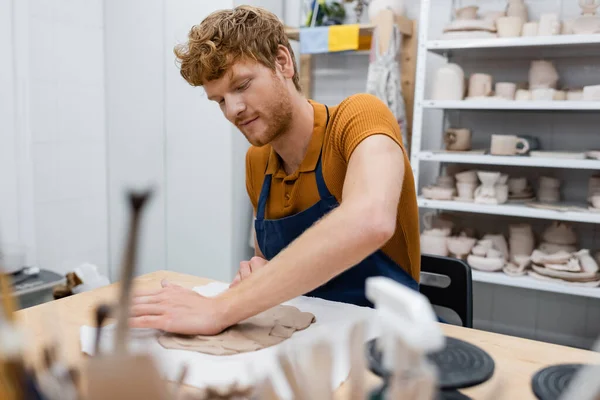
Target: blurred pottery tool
357, 362
102, 312
136, 203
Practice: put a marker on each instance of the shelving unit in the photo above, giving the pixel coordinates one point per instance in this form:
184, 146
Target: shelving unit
432, 117
513, 105
527, 282
515, 210
482, 159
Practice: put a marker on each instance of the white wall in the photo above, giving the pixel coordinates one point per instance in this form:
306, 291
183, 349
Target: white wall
52, 138
9, 209
135, 101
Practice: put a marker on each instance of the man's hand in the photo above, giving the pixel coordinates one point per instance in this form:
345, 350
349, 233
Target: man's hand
175, 309
247, 267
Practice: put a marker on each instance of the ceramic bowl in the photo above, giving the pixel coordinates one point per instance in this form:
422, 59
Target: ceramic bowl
485, 264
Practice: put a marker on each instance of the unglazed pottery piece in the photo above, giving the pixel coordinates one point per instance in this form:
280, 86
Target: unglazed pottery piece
434, 244
449, 83
470, 25
509, 26
542, 94
479, 251
534, 274
587, 262
466, 190
539, 257
591, 93
499, 243
485, 264
523, 95
467, 13
460, 246
517, 8
508, 145
458, 139
549, 25
438, 193
552, 248
542, 75
506, 90
480, 85
467, 177
571, 266
560, 233
570, 276
512, 270
530, 29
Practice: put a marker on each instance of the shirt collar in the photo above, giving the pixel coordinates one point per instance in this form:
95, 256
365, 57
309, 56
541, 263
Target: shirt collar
313, 151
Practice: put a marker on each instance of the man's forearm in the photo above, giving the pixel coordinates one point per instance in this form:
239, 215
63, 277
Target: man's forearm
340, 240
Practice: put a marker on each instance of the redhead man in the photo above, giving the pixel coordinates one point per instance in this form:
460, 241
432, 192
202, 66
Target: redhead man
331, 186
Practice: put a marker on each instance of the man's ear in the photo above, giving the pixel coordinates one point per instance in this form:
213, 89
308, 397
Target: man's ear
284, 62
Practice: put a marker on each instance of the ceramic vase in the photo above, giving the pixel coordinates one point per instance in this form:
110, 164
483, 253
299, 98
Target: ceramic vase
449, 83
542, 75
517, 8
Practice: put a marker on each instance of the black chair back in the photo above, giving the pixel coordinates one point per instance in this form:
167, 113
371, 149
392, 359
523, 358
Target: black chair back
447, 282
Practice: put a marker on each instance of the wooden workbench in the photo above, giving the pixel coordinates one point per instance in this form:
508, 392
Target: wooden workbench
516, 359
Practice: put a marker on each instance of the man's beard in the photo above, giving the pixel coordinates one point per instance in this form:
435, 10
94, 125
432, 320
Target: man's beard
280, 117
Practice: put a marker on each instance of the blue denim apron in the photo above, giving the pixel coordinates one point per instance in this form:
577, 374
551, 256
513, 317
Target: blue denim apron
348, 287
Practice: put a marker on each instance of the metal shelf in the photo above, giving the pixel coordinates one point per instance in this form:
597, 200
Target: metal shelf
556, 43
527, 282
512, 105
465, 158
514, 210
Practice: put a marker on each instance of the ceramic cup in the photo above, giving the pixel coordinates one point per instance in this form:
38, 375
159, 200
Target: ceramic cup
458, 139
549, 25
445, 181
575, 95
480, 85
530, 29
559, 95
548, 182
546, 195
501, 193
508, 145
523, 95
591, 93
595, 201
517, 185
506, 90
509, 26
466, 190
543, 94
467, 177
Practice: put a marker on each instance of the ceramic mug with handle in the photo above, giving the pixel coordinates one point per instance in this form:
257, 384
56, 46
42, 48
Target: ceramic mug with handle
458, 139
508, 145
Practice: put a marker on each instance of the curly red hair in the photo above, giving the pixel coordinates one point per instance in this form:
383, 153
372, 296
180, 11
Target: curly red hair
227, 36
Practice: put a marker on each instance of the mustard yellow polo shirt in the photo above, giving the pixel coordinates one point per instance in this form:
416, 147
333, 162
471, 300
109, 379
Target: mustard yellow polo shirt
351, 121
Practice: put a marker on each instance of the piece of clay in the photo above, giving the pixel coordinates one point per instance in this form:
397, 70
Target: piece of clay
261, 331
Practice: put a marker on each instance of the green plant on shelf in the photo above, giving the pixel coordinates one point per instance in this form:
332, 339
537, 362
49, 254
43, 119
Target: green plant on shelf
328, 13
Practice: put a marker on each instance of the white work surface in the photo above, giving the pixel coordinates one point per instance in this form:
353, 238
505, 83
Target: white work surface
333, 323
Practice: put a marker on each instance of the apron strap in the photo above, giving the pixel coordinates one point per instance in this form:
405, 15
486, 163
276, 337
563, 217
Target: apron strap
262, 200
323, 191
